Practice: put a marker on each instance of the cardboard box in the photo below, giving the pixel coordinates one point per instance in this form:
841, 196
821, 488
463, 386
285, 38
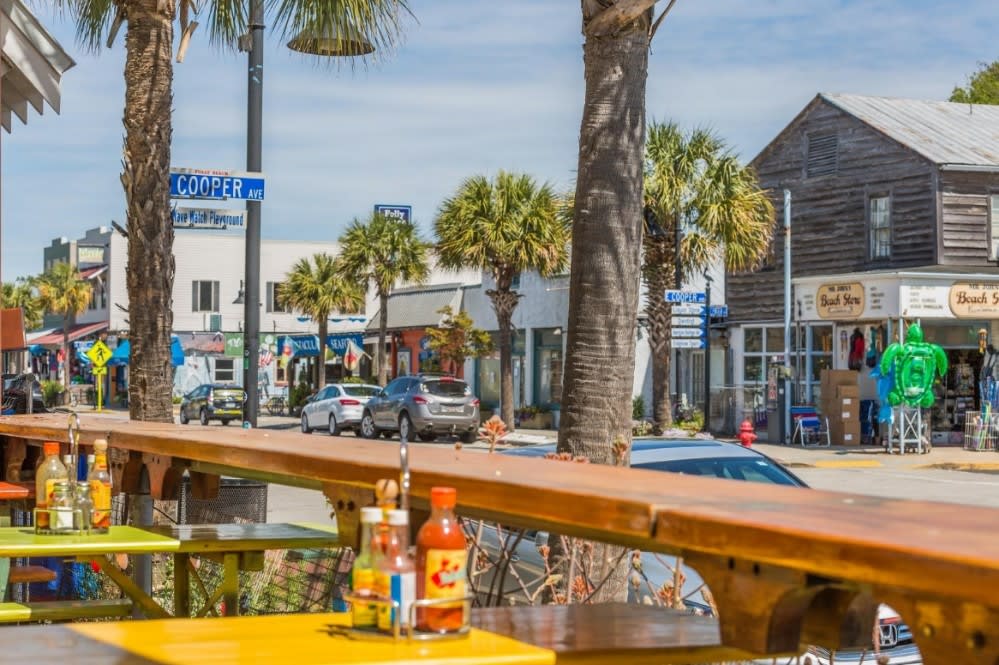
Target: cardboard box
844, 433
852, 390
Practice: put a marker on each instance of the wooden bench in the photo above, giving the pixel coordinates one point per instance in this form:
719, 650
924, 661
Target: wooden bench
64, 610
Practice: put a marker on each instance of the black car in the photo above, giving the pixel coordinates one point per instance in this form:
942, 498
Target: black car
213, 401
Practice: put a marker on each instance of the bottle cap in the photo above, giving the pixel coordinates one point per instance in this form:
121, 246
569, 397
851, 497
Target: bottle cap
398, 518
100, 445
50, 448
371, 515
443, 497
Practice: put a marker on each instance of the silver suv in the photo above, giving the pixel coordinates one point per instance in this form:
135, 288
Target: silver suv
427, 406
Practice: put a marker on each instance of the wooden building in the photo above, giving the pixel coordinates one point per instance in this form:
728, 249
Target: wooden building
895, 208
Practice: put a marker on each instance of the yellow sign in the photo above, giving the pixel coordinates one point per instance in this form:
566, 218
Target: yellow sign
99, 354
840, 301
99, 371
975, 300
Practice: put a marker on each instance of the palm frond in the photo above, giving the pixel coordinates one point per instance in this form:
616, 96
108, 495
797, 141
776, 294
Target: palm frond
383, 251
93, 19
318, 286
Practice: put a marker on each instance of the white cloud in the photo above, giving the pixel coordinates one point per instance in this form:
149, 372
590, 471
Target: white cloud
473, 87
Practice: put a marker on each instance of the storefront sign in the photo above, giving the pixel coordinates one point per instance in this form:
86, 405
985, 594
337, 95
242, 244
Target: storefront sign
924, 301
975, 300
840, 301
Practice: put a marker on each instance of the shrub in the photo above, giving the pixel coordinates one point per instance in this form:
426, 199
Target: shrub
637, 407
51, 390
693, 424
177, 399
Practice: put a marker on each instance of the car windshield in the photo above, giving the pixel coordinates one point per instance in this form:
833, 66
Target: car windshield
446, 388
733, 468
361, 391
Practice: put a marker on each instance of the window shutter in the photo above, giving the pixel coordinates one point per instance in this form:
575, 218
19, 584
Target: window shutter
822, 155
194, 297
215, 296
270, 296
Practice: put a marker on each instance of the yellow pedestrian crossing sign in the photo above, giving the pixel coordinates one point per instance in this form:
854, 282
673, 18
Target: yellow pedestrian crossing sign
99, 354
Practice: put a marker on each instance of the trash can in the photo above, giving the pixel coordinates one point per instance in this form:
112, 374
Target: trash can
238, 501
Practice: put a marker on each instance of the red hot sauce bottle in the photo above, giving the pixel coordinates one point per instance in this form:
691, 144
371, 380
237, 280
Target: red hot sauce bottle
441, 562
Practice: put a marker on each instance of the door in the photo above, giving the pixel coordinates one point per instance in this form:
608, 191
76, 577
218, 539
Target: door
314, 409
381, 406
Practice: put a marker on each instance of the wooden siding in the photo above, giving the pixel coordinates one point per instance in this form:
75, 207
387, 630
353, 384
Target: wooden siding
829, 227
965, 217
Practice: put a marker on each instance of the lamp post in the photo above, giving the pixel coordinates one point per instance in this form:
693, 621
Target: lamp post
350, 44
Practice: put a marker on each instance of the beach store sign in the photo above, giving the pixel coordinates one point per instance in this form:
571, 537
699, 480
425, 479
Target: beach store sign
975, 300
840, 301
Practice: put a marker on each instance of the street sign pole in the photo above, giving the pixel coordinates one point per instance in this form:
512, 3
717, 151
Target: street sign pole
706, 426
254, 160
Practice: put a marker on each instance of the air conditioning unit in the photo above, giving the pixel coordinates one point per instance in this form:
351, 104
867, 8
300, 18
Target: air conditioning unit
214, 323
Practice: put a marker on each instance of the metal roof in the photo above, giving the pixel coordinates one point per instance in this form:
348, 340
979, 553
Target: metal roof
418, 307
946, 133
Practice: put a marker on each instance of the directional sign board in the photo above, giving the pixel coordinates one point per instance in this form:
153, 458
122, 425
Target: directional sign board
688, 332
99, 354
207, 218
687, 343
672, 295
680, 321
717, 311
403, 212
688, 309
215, 184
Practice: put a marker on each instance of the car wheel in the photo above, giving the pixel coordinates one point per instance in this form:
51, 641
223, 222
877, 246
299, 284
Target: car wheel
334, 426
305, 425
368, 429
470, 436
428, 437
203, 416
183, 417
405, 427
225, 421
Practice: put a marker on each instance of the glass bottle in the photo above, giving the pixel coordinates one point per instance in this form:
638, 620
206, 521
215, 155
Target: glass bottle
100, 488
83, 508
61, 507
48, 473
396, 576
362, 579
441, 562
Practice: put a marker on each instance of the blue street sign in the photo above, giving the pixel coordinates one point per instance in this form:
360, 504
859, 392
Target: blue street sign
215, 184
672, 295
687, 332
687, 343
403, 212
719, 311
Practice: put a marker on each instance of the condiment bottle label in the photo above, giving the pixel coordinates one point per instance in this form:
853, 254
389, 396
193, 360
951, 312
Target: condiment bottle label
100, 495
445, 574
363, 615
400, 587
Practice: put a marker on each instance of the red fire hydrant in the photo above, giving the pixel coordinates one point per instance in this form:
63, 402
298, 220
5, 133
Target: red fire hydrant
746, 433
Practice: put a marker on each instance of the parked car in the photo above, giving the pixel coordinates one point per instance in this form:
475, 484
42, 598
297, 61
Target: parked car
699, 457
213, 401
425, 405
338, 407
14, 394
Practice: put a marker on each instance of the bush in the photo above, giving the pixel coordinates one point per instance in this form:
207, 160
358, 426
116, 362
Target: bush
51, 390
637, 407
693, 424
298, 395
352, 379
177, 399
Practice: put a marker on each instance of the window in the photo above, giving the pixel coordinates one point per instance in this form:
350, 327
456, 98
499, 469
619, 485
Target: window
822, 155
880, 225
515, 281
205, 296
224, 370
274, 303
994, 227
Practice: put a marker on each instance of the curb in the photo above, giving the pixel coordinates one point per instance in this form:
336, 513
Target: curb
961, 466
847, 464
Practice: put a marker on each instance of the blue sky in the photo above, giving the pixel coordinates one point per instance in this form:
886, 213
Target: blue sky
473, 87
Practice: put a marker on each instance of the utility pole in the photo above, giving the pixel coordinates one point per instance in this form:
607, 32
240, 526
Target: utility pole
706, 426
787, 312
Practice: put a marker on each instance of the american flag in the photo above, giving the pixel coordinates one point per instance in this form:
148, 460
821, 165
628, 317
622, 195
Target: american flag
266, 357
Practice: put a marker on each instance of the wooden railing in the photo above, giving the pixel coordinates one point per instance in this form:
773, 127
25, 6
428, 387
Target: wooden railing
786, 566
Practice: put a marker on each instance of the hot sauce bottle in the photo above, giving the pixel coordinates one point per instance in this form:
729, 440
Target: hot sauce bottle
441, 560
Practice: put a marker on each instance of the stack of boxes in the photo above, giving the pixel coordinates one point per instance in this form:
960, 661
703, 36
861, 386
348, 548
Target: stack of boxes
841, 404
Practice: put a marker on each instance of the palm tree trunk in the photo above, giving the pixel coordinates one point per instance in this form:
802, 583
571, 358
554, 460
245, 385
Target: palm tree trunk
607, 242
504, 302
324, 327
145, 178
658, 271
382, 333
65, 353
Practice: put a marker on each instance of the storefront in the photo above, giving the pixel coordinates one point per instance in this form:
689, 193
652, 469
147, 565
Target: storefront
487, 372
845, 322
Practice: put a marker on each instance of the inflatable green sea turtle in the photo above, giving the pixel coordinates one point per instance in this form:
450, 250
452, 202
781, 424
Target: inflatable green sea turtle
915, 363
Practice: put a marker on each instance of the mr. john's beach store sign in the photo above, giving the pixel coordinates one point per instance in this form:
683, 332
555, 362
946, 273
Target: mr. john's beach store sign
969, 300
907, 295
840, 301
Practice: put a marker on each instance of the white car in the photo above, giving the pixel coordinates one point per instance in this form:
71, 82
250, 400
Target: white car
337, 407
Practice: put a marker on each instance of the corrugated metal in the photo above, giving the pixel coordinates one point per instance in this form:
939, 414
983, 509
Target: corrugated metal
418, 307
943, 132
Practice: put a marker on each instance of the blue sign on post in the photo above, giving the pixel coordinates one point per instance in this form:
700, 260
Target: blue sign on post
215, 184
673, 295
403, 212
719, 311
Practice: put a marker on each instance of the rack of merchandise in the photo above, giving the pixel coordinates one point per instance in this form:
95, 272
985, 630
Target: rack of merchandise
981, 430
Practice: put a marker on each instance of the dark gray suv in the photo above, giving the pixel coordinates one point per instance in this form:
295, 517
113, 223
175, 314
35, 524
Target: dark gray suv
426, 405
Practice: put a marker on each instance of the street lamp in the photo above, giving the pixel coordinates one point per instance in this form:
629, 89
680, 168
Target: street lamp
350, 43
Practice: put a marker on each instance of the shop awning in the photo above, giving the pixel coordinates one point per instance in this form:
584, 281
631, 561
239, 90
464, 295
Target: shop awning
54, 338
12, 330
123, 353
301, 346
339, 343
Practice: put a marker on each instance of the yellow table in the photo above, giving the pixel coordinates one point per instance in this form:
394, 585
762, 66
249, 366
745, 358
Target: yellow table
296, 639
24, 542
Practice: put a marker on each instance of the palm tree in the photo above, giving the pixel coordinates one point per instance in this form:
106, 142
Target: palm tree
505, 226
149, 44
379, 253
62, 292
695, 185
22, 294
317, 287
